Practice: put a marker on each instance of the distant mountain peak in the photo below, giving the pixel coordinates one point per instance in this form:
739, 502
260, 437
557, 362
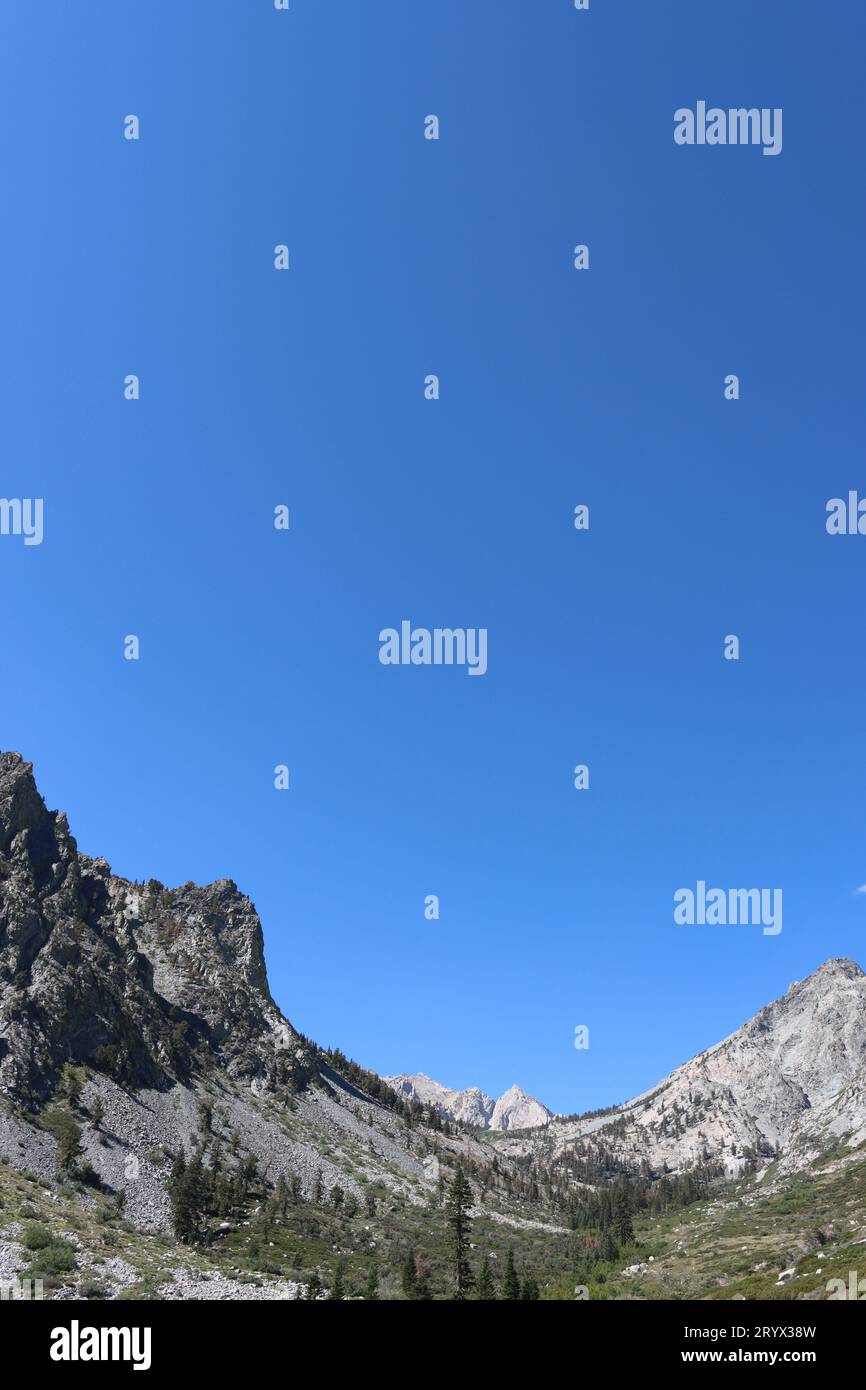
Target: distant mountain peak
514, 1109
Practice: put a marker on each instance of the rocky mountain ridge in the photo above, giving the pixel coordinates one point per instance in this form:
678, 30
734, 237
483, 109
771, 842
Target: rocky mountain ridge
789, 1084
158, 1000
514, 1109
161, 997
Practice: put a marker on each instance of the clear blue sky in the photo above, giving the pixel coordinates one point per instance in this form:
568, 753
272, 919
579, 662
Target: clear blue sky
558, 387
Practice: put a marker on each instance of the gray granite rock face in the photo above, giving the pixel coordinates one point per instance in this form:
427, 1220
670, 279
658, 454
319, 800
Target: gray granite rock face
139, 981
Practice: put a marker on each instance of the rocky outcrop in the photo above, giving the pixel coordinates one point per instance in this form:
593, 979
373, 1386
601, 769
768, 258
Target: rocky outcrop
517, 1110
790, 1083
158, 990
138, 981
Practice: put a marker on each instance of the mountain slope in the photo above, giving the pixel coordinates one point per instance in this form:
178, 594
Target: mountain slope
142, 1057
157, 999
791, 1082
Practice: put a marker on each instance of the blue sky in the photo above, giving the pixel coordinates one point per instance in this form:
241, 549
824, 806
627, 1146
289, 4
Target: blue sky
557, 388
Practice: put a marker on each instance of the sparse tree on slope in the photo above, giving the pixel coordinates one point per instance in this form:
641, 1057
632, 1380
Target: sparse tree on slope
459, 1226
511, 1283
485, 1289
409, 1280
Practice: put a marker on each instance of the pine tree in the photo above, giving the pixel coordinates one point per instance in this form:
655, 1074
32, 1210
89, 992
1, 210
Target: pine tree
621, 1221
371, 1292
314, 1287
511, 1283
183, 1215
422, 1286
199, 1185
529, 1290
485, 1288
72, 1085
97, 1112
68, 1137
608, 1248
409, 1279
604, 1209
459, 1226
338, 1291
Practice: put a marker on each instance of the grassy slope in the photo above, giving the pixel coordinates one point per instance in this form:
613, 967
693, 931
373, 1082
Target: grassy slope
732, 1246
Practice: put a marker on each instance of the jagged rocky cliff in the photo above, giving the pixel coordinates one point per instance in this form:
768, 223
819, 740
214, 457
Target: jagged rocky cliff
136, 980
159, 998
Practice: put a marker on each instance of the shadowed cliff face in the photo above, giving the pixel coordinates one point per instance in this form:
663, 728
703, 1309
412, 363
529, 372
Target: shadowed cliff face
142, 982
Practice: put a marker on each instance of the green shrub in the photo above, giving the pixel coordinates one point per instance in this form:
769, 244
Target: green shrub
36, 1237
58, 1257
90, 1289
